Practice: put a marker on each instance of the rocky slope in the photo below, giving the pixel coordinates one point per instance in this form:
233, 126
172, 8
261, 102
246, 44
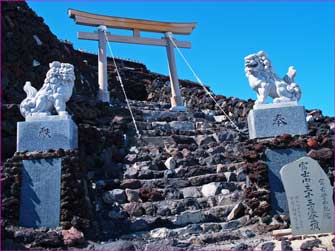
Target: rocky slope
28, 40
189, 182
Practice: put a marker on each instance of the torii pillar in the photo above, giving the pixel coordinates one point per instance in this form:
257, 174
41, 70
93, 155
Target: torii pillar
177, 103
103, 93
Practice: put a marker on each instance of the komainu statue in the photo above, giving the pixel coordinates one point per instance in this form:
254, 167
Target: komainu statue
55, 92
266, 82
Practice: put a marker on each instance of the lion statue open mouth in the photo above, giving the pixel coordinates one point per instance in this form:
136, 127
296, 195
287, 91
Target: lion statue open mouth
55, 92
266, 82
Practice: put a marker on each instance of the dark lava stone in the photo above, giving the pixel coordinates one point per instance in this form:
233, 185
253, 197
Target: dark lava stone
240, 246
286, 245
310, 244
268, 246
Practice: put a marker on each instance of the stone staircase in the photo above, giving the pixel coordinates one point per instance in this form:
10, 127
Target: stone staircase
184, 178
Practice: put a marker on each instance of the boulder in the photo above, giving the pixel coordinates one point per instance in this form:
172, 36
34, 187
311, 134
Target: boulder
220, 118
230, 176
322, 154
130, 183
225, 191
115, 195
191, 192
236, 212
204, 139
132, 195
210, 189
72, 237
170, 163
182, 125
134, 209
159, 233
220, 168
189, 217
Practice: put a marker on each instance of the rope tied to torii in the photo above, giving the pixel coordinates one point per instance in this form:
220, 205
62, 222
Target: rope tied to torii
122, 87
201, 83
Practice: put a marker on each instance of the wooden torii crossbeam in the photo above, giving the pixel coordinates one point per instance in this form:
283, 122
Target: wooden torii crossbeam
136, 25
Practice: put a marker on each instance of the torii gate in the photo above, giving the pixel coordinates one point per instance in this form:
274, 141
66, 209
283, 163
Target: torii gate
136, 25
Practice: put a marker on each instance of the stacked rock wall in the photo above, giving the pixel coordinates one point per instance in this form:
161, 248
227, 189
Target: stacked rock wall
76, 210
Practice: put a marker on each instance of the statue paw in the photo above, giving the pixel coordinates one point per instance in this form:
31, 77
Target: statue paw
63, 113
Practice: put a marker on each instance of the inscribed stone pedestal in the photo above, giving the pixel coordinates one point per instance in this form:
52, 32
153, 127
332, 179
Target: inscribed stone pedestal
276, 159
309, 196
40, 193
47, 132
276, 119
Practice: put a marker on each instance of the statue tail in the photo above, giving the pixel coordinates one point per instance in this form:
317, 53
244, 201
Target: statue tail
29, 90
28, 102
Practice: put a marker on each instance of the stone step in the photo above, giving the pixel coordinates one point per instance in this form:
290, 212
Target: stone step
231, 235
151, 105
142, 171
180, 122
204, 231
214, 214
170, 207
157, 141
182, 182
199, 137
151, 116
167, 126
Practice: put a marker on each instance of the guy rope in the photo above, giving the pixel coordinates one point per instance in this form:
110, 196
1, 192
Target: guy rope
201, 83
122, 87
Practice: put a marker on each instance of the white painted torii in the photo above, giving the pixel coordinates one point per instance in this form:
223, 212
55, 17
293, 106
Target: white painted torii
136, 25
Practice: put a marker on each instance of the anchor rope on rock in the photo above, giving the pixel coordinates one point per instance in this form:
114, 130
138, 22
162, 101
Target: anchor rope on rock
122, 87
201, 83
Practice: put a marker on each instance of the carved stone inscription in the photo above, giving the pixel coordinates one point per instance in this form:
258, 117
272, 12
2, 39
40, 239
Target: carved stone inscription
309, 196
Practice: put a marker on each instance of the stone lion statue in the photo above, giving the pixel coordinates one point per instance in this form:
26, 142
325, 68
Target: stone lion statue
266, 82
55, 92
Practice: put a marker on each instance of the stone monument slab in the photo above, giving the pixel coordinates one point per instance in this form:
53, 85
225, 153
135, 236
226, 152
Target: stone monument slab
40, 193
276, 120
276, 159
40, 133
310, 197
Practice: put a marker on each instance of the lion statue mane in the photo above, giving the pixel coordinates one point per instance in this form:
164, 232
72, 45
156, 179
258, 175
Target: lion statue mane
266, 82
55, 92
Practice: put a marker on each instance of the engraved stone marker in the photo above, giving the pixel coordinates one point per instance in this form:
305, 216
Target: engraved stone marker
276, 159
40, 193
309, 196
47, 132
271, 120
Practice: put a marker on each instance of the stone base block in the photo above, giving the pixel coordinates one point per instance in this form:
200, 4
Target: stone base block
176, 101
277, 119
103, 96
40, 193
276, 159
47, 132
178, 109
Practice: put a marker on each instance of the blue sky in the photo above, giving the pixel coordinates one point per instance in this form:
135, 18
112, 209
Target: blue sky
292, 33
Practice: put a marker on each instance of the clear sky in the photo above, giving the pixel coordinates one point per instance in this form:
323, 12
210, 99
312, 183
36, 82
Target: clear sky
292, 33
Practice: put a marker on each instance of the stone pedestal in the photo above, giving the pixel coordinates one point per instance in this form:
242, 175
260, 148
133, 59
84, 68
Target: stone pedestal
41, 177
103, 96
270, 120
42, 132
276, 159
178, 108
40, 193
